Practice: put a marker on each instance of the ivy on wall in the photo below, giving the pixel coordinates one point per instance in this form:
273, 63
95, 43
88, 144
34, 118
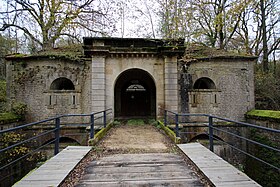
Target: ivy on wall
262, 173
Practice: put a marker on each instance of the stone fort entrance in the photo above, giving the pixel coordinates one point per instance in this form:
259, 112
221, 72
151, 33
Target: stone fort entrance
135, 94
136, 77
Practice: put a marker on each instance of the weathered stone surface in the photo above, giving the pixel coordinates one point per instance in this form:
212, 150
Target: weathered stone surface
29, 80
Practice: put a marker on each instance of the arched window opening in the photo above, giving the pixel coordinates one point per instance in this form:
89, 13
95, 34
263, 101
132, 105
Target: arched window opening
135, 88
62, 84
204, 83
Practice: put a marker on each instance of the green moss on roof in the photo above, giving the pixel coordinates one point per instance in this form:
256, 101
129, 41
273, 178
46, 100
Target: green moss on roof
264, 114
196, 51
74, 53
8, 118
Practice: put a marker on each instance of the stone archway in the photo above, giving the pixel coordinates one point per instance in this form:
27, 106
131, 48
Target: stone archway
135, 94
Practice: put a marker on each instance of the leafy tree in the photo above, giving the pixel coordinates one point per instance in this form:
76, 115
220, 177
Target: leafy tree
44, 21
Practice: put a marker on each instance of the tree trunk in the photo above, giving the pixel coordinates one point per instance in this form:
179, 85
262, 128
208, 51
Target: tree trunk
263, 28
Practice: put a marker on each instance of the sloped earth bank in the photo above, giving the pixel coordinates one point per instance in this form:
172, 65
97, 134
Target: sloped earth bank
128, 139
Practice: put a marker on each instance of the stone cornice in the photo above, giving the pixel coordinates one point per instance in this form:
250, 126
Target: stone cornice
132, 47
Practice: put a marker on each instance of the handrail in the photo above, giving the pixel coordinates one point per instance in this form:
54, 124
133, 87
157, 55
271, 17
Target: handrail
247, 124
56, 130
211, 125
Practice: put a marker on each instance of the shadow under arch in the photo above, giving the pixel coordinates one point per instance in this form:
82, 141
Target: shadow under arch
205, 137
204, 83
135, 94
62, 140
62, 83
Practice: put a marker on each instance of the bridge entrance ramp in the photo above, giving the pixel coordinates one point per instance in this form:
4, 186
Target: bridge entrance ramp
138, 155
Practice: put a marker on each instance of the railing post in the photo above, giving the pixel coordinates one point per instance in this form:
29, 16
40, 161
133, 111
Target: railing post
177, 125
92, 126
104, 118
211, 143
165, 117
57, 129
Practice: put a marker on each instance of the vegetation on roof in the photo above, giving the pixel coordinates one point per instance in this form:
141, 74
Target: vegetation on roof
264, 114
198, 51
71, 52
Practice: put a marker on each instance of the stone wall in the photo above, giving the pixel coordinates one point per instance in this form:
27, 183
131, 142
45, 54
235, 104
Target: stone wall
269, 123
232, 94
29, 81
229, 92
2, 68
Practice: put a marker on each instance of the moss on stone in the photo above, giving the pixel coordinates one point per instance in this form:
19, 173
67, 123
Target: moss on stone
100, 134
171, 134
8, 117
264, 114
196, 51
73, 53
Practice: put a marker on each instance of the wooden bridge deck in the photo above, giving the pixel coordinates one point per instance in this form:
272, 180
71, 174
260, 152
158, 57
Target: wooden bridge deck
152, 169
217, 170
55, 170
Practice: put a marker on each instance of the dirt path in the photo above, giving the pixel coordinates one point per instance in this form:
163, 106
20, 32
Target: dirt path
136, 139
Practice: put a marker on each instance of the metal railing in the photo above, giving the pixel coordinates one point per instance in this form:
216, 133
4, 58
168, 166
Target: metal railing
213, 124
54, 126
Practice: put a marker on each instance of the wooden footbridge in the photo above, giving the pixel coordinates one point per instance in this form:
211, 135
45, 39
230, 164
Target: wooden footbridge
190, 165
136, 155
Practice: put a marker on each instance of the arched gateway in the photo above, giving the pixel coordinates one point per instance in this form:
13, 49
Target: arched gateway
136, 77
135, 94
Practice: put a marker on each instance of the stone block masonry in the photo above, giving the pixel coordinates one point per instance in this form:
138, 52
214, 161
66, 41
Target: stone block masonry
98, 84
171, 84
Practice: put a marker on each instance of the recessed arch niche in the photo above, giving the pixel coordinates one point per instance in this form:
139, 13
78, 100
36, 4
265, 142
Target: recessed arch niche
135, 94
62, 83
204, 83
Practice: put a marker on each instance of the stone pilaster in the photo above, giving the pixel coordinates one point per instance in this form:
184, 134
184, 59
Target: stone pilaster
98, 83
171, 83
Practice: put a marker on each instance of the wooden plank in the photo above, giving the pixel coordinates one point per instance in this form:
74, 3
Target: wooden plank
147, 157
137, 168
151, 169
217, 170
151, 182
55, 170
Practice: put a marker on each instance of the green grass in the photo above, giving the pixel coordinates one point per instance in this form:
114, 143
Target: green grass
264, 114
136, 122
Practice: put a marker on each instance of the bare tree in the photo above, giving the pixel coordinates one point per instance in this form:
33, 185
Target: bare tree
259, 28
44, 21
175, 18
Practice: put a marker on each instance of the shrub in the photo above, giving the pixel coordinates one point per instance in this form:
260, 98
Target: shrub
19, 108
